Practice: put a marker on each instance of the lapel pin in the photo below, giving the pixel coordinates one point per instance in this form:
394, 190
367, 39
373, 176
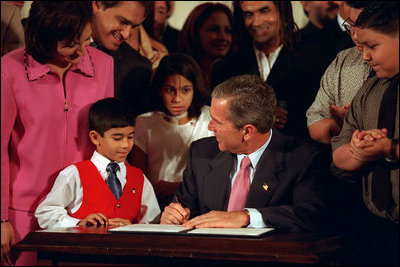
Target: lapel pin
265, 186
133, 190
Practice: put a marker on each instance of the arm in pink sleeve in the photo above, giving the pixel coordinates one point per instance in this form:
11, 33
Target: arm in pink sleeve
8, 116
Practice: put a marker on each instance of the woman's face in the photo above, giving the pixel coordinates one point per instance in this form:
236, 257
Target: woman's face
71, 52
216, 35
177, 94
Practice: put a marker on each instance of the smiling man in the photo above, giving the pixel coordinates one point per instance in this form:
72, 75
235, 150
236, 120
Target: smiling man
269, 47
113, 22
249, 175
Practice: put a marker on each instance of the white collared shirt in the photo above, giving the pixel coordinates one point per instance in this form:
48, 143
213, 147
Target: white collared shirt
340, 20
67, 193
265, 63
256, 219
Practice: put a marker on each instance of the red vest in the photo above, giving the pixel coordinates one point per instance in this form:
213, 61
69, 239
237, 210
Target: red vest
97, 197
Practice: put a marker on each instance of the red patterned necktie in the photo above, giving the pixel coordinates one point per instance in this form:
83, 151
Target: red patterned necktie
241, 187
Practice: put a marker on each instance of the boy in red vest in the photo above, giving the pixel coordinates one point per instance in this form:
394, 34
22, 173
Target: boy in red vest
104, 190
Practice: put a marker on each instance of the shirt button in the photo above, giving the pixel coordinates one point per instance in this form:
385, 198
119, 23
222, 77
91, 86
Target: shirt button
118, 205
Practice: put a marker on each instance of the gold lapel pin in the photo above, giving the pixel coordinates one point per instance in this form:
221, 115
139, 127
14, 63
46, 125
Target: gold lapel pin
265, 186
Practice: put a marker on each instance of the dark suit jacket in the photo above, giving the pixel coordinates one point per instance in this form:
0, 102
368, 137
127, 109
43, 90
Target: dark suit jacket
294, 199
132, 79
331, 37
295, 77
170, 39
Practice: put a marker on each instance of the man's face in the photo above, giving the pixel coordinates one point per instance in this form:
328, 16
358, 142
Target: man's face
115, 144
113, 25
351, 20
380, 51
321, 12
229, 137
261, 19
160, 15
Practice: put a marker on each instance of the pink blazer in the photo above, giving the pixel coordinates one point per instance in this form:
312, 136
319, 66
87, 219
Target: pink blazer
40, 133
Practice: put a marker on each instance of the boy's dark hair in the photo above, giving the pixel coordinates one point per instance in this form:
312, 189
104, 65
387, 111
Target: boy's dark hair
381, 16
52, 21
110, 113
185, 65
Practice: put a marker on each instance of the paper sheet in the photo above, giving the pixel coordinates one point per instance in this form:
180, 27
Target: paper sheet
166, 228
150, 228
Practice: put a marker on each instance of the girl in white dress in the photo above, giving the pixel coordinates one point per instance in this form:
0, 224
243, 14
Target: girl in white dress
162, 137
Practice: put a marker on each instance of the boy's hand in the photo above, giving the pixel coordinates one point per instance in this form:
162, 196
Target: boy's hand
118, 222
94, 219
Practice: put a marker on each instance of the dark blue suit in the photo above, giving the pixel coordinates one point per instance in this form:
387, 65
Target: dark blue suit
291, 169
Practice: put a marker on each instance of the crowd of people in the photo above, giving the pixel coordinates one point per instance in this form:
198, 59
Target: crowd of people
111, 116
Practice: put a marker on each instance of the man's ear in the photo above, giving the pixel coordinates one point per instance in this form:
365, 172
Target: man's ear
94, 137
249, 131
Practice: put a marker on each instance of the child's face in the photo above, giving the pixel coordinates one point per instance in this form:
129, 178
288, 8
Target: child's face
380, 51
177, 94
115, 144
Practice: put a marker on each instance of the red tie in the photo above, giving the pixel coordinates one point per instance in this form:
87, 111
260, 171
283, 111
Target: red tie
241, 187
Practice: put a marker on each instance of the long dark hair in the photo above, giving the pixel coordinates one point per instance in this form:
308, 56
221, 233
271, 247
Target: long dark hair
189, 40
287, 32
185, 65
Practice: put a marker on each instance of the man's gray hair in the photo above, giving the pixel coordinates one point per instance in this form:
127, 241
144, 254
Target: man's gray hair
252, 101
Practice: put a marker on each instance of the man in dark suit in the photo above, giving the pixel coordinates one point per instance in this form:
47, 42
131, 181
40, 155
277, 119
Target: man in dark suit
163, 31
325, 27
268, 47
285, 189
112, 24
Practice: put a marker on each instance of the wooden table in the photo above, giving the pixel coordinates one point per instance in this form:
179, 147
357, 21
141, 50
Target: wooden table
96, 245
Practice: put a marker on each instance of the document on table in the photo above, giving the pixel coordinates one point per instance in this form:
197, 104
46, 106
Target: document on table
167, 228
151, 228
231, 231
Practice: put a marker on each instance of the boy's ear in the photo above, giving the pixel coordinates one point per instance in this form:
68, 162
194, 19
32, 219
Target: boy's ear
94, 137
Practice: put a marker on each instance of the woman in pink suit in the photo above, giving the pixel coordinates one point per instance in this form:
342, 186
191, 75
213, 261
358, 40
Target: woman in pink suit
46, 92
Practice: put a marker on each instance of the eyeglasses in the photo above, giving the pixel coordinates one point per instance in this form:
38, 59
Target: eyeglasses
348, 25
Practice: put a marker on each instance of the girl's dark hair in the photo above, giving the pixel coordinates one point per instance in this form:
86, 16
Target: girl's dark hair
185, 65
288, 29
189, 40
110, 113
52, 21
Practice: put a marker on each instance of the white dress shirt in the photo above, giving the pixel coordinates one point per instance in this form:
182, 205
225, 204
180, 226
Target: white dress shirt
256, 219
66, 196
265, 63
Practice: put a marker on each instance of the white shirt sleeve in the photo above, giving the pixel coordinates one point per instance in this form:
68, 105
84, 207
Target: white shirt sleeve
256, 220
150, 212
64, 198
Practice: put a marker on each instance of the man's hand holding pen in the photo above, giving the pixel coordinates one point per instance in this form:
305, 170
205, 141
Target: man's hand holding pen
175, 213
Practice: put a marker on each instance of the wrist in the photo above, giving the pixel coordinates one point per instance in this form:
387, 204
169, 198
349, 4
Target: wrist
392, 157
246, 217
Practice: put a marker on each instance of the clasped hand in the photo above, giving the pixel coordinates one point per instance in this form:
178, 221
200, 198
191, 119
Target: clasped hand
370, 145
